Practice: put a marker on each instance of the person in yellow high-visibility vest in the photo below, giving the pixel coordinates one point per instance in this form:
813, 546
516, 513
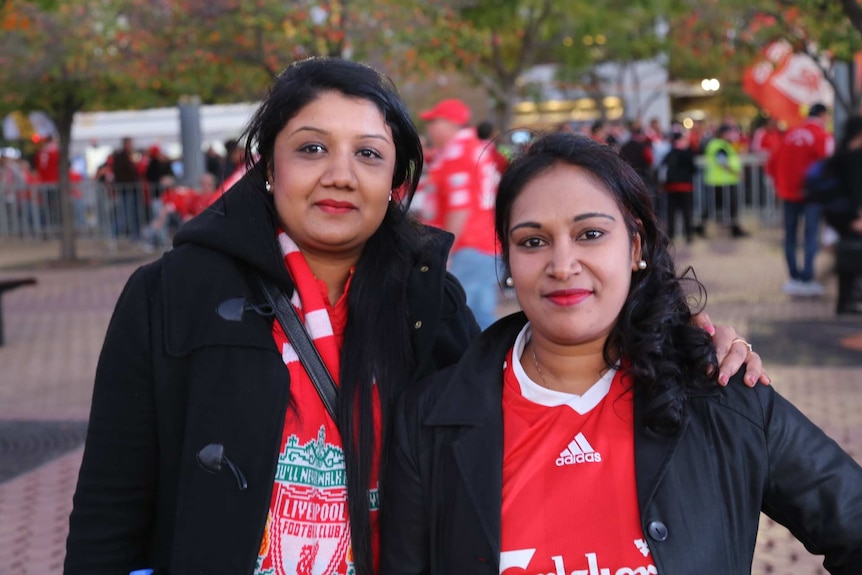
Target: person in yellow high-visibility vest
722, 175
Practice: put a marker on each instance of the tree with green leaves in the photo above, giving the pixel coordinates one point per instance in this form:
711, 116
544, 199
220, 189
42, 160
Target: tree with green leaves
724, 37
827, 32
499, 40
622, 33
490, 42
60, 57
75, 55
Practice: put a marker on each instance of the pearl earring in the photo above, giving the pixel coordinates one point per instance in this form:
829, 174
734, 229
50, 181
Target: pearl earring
390, 195
642, 265
268, 186
510, 282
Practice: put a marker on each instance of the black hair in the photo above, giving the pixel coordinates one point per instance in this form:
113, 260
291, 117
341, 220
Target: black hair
668, 355
852, 129
303, 81
484, 130
816, 110
376, 355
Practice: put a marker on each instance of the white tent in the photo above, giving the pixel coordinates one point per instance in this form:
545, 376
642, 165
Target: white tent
95, 135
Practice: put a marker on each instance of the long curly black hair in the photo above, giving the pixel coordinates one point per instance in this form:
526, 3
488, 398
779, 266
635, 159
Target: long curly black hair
668, 355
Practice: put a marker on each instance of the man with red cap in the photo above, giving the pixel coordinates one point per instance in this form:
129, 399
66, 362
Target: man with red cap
462, 184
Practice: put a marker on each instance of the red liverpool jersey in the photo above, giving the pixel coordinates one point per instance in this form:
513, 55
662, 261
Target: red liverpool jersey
464, 176
308, 530
569, 493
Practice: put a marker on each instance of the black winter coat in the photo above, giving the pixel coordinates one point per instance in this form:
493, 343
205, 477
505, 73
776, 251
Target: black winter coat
175, 376
740, 451
680, 166
846, 207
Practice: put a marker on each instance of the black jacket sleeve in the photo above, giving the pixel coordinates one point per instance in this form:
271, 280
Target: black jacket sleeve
457, 327
814, 487
110, 524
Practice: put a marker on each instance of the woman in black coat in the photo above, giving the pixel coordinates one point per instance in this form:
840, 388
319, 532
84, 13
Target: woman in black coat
586, 435
209, 450
844, 214
192, 395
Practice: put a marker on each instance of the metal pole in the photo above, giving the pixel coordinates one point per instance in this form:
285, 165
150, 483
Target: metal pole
190, 135
844, 74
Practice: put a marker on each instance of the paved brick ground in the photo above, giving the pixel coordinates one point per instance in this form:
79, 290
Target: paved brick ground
54, 331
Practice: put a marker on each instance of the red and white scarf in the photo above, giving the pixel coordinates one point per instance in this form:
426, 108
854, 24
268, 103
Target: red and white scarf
307, 530
309, 303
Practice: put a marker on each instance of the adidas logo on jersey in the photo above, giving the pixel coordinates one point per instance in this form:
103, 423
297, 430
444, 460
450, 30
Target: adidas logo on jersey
578, 450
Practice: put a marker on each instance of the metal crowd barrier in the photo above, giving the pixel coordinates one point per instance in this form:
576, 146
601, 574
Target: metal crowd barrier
109, 211
755, 194
122, 211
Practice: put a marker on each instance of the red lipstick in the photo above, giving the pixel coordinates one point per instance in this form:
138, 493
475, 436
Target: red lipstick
335, 207
568, 297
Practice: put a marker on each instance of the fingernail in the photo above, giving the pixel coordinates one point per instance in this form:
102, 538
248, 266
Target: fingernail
723, 379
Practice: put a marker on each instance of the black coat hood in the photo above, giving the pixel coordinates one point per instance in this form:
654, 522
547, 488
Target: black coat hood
240, 224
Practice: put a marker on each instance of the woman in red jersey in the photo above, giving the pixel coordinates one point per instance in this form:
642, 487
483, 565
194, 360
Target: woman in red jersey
209, 448
586, 436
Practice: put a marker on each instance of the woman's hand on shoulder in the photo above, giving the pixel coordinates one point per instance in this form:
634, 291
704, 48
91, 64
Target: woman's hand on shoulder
732, 351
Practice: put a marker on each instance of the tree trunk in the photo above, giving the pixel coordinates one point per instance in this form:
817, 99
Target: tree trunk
595, 90
504, 109
68, 247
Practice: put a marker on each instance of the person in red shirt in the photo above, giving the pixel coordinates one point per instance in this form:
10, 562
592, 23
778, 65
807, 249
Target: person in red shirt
489, 134
47, 162
765, 141
462, 183
586, 436
46, 165
179, 204
799, 149
209, 450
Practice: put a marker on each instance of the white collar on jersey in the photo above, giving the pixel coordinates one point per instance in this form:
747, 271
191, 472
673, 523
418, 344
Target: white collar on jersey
532, 391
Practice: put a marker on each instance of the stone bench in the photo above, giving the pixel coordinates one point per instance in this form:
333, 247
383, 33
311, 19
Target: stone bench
8, 285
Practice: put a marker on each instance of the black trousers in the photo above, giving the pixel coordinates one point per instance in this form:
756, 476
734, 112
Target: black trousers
848, 264
724, 196
679, 203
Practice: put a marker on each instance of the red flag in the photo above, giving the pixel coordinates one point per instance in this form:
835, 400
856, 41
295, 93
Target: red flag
786, 84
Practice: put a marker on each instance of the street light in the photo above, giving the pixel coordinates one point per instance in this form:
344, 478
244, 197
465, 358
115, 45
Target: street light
710, 85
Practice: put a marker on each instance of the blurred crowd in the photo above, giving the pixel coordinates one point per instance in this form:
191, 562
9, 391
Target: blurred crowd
464, 160
148, 201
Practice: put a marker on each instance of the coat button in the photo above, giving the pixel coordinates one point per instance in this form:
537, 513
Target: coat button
417, 325
423, 269
657, 530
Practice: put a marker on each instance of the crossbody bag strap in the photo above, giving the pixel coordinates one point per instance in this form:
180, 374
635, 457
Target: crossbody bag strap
302, 344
